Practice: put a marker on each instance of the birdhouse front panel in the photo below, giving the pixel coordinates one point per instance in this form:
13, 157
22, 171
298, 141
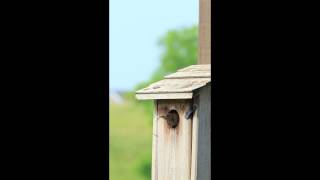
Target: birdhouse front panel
172, 140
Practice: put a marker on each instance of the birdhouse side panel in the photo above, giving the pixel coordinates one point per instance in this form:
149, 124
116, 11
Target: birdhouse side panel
201, 136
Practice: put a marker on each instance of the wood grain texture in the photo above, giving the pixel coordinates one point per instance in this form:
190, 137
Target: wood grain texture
201, 136
173, 145
197, 67
179, 85
184, 85
164, 96
154, 142
205, 32
195, 74
194, 146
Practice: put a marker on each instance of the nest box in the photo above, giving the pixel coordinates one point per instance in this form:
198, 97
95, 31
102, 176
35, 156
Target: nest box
181, 124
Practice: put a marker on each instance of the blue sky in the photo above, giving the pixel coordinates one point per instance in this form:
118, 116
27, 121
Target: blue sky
135, 29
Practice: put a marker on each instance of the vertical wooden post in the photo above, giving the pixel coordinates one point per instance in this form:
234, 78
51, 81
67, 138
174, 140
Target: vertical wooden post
204, 56
201, 127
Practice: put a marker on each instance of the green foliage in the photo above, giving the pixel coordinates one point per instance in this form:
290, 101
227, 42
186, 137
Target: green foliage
180, 49
130, 142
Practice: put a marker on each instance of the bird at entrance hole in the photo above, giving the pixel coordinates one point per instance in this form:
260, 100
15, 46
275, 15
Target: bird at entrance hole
172, 118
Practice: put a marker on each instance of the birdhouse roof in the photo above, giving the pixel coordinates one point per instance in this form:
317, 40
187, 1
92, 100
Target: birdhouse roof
179, 85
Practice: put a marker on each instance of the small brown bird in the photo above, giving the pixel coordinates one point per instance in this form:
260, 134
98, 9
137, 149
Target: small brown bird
172, 118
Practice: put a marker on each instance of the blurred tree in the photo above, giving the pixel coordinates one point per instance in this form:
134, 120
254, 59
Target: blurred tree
180, 49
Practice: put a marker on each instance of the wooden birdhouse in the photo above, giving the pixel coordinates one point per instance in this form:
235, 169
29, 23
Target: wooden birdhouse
181, 124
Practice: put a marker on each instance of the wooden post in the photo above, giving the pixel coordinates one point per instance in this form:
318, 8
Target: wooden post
205, 32
201, 128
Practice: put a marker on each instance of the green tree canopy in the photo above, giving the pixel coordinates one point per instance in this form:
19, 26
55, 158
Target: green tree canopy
179, 49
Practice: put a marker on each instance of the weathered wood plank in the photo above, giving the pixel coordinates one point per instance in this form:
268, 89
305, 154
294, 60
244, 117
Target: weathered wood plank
186, 80
164, 96
197, 67
205, 32
173, 145
154, 142
201, 136
175, 85
194, 74
194, 151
